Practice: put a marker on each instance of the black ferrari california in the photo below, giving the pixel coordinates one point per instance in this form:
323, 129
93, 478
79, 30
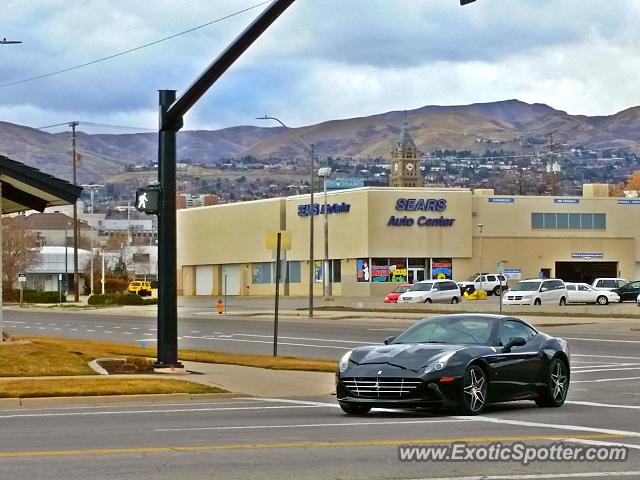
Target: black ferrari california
460, 362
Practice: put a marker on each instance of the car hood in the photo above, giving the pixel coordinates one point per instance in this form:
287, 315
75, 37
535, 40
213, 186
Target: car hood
412, 356
415, 293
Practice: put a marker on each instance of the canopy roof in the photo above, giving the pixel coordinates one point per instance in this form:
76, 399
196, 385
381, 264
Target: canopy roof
27, 188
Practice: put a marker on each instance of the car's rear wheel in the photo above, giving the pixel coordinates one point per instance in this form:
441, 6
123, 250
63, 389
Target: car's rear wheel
352, 409
563, 301
496, 291
602, 300
555, 391
537, 302
474, 390
454, 300
428, 300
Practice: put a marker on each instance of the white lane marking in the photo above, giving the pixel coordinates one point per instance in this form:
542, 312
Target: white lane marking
556, 426
27, 327
38, 323
265, 341
73, 330
597, 442
42, 328
57, 328
13, 321
147, 333
89, 330
135, 328
295, 402
608, 365
175, 410
99, 326
304, 338
195, 331
52, 324
606, 370
127, 333
603, 356
117, 327
309, 425
385, 329
152, 329
605, 380
540, 476
147, 339
600, 340
68, 325
603, 405
108, 331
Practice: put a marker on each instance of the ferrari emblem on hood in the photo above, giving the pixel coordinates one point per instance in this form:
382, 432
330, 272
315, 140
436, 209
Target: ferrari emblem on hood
379, 372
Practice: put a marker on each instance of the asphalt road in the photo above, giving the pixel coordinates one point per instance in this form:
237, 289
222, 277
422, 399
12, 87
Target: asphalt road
299, 438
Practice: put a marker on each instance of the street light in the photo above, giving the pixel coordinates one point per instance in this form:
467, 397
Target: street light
312, 212
326, 270
480, 226
102, 245
4, 41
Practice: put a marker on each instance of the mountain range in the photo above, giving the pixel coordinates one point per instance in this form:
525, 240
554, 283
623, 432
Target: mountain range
511, 124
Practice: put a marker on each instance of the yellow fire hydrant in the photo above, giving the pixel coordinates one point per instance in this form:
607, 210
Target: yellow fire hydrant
219, 307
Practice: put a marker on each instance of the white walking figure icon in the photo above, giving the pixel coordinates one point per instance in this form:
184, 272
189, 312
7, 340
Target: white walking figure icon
142, 200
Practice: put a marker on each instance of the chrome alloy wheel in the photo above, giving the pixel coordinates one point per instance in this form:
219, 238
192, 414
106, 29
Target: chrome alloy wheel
559, 382
475, 389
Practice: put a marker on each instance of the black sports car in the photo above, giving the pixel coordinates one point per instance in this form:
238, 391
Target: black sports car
461, 361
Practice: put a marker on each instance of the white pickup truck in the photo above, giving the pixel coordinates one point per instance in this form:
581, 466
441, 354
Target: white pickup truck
490, 283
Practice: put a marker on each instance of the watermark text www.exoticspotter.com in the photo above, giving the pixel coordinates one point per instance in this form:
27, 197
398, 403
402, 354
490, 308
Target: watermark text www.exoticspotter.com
512, 452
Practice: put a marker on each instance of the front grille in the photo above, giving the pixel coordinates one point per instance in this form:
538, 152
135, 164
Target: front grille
372, 387
514, 297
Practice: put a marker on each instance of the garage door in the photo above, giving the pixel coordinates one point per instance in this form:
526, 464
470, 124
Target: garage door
204, 280
585, 271
233, 274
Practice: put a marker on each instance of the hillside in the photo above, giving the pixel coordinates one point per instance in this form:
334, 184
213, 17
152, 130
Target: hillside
475, 127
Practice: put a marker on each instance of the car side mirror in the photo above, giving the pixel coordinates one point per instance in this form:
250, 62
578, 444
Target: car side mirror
514, 342
544, 289
388, 340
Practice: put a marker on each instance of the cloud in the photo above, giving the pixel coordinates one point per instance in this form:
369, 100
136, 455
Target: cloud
321, 60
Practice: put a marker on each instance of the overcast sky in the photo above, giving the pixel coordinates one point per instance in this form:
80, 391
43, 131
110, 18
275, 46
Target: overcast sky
322, 60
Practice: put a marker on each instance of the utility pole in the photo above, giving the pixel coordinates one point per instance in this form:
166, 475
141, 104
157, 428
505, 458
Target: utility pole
312, 261
76, 283
553, 166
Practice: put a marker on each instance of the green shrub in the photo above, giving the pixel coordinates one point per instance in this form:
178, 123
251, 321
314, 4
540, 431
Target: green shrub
128, 299
105, 299
150, 301
31, 296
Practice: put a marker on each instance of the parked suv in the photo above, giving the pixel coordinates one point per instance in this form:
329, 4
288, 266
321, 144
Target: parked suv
609, 283
629, 292
537, 292
490, 283
140, 288
428, 291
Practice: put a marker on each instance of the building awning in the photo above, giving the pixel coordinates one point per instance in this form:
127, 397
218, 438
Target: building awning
27, 188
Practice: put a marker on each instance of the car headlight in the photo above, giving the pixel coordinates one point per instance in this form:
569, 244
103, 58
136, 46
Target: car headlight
344, 362
439, 363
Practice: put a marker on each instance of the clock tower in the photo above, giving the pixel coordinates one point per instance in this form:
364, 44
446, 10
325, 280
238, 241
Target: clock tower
405, 162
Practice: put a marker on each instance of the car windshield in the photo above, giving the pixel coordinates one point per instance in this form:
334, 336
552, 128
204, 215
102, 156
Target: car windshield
526, 287
454, 329
401, 289
135, 284
472, 278
421, 287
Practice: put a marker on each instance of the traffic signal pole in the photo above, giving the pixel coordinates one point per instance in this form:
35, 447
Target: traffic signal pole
172, 112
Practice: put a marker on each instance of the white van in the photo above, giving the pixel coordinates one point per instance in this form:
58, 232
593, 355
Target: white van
428, 291
537, 292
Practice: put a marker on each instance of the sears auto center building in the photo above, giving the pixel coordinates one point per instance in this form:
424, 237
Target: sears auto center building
379, 236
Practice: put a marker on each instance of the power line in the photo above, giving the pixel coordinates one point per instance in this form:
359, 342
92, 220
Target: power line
140, 47
100, 125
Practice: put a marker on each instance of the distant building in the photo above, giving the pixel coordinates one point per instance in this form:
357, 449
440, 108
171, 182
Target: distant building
185, 200
405, 162
53, 229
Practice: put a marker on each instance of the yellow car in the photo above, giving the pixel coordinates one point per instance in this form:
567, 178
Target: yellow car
140, 288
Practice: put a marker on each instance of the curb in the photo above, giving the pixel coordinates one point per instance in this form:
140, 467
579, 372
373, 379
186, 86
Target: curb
110, 399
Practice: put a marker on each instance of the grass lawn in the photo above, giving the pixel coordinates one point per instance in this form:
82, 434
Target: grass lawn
50, 356
98, 386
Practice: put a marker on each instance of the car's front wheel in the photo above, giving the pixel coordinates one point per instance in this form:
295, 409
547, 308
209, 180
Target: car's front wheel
555, 391
474, 391
602, 300
454, 300
537, 302
428, 300
352, 409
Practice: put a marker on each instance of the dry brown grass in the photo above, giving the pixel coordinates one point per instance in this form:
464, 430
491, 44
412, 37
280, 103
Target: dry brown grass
47, 356
98, 386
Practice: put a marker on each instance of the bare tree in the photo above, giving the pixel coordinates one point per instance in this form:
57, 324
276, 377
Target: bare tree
19, 249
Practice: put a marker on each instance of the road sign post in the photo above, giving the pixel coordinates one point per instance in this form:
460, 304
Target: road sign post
22, 279
277, 241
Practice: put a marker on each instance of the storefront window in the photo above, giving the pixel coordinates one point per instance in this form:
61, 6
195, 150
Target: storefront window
261, 273
294, 272
416, 263
398, 269
363, 273
442, 268
336, 270
599, 221
562, 220
379, 269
